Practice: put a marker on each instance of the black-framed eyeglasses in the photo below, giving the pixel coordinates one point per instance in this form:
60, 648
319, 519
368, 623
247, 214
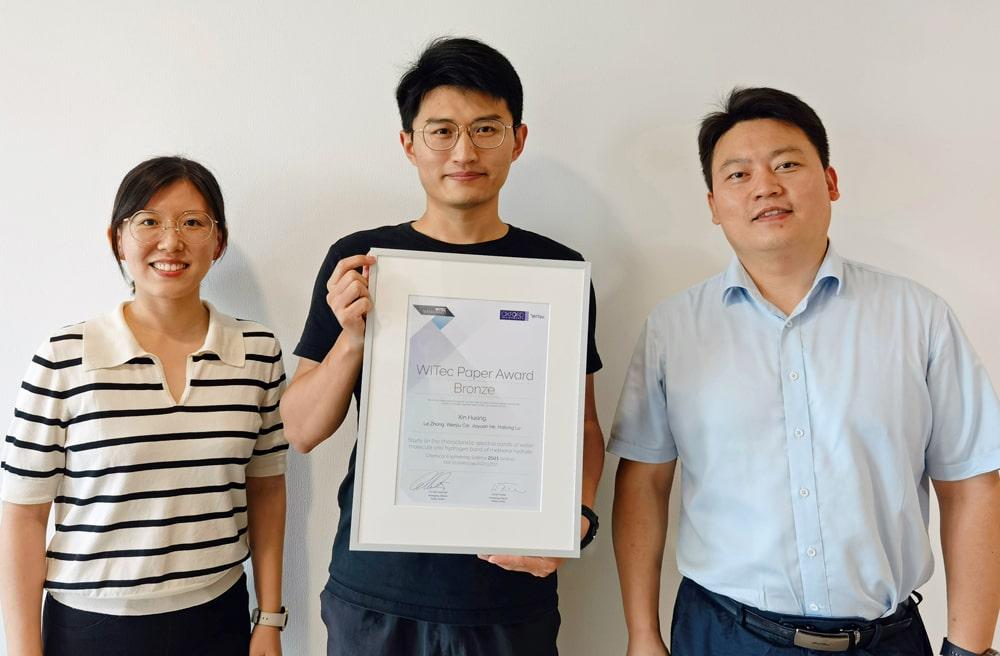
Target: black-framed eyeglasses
148, 226
443, 135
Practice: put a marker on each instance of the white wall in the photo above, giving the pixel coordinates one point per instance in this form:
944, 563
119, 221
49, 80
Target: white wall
291, 104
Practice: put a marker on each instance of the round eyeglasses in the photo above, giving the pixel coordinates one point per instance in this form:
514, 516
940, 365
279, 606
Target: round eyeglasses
443, 135
147, 226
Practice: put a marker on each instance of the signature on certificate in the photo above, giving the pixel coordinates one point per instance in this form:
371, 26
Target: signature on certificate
431, 481
506, 488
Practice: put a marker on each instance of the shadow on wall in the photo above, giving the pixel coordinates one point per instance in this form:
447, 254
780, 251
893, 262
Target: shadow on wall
549, 198
631, 272
553, 200
634, 267
233, 287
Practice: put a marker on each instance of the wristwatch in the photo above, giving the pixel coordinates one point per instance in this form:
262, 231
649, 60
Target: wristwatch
948, 649
279, 619
589, 513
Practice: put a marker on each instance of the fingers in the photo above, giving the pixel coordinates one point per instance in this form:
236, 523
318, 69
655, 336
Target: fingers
349, 264
351, 285
350, 305
346, 273
347, 291
535, 565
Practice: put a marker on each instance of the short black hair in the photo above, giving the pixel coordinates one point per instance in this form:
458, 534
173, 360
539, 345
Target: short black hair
147, 178
747, 104
459, 62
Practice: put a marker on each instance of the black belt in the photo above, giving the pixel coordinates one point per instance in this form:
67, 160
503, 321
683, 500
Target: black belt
778, 633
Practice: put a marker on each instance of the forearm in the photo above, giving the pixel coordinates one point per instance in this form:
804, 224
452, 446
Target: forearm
316, 401
266, 516
593, 463
970, 540
22, 550
593, 448
639, 526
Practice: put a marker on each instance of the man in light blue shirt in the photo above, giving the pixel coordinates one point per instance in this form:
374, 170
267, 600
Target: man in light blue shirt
810, 399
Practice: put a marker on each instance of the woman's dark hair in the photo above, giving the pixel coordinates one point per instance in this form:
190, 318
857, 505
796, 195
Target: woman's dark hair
463, 63
753, 103
142, 182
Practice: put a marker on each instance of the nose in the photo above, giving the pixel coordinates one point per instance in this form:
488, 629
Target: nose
767, 184
170, 239
464, 150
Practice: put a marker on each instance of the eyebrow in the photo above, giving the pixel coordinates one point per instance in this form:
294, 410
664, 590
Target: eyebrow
491, 117
181, 213
774, 153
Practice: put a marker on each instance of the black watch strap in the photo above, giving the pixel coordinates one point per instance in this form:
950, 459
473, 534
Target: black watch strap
589, 513
948, 649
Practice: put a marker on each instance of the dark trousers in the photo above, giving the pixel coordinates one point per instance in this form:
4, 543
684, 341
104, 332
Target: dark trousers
220, 627
705, 623
355, 631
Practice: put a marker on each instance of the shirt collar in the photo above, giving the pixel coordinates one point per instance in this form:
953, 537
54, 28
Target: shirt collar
736, 277
109, 342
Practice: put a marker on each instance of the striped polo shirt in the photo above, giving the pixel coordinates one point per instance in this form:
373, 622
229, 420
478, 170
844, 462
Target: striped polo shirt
149, 495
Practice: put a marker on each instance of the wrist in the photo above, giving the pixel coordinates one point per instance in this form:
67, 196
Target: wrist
346, 358
277, 620
350, 344
645, 639
948, 648
592, 525
644, 631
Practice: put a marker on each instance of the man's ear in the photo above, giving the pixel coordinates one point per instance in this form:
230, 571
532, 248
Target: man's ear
520, 136
831, 183
711, 206
406, 141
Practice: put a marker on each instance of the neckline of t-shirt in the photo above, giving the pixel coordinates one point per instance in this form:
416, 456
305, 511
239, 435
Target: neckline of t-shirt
442, 245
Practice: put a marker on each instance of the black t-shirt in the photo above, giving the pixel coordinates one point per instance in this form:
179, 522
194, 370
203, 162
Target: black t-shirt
455, 589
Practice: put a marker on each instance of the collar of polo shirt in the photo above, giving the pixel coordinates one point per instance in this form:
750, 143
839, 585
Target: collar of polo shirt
108, 341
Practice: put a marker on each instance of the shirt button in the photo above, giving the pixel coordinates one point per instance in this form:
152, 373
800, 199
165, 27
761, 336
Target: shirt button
799, 432
803, 492
794, 375
813, 607
811, 552
788, 324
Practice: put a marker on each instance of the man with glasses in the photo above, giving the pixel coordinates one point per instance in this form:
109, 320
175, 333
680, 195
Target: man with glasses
460, 105
811, 400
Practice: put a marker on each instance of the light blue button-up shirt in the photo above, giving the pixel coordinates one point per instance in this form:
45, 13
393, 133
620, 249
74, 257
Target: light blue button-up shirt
807, 440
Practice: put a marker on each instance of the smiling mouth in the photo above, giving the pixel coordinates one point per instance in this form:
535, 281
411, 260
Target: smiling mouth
168, 266
773, 213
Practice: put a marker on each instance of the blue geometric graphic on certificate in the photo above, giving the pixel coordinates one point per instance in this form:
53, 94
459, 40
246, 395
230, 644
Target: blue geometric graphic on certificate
474, 403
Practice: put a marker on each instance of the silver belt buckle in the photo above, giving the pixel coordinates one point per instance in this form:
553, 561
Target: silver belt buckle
822, 641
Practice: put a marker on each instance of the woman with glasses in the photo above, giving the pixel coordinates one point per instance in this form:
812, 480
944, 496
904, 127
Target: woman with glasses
153, 433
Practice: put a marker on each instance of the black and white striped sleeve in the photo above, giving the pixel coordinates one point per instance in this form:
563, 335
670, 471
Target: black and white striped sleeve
271, 448
35, 455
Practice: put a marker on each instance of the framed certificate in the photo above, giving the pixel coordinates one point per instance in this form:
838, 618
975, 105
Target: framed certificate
470, 434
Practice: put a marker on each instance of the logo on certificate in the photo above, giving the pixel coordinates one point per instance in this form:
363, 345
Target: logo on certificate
442, 315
